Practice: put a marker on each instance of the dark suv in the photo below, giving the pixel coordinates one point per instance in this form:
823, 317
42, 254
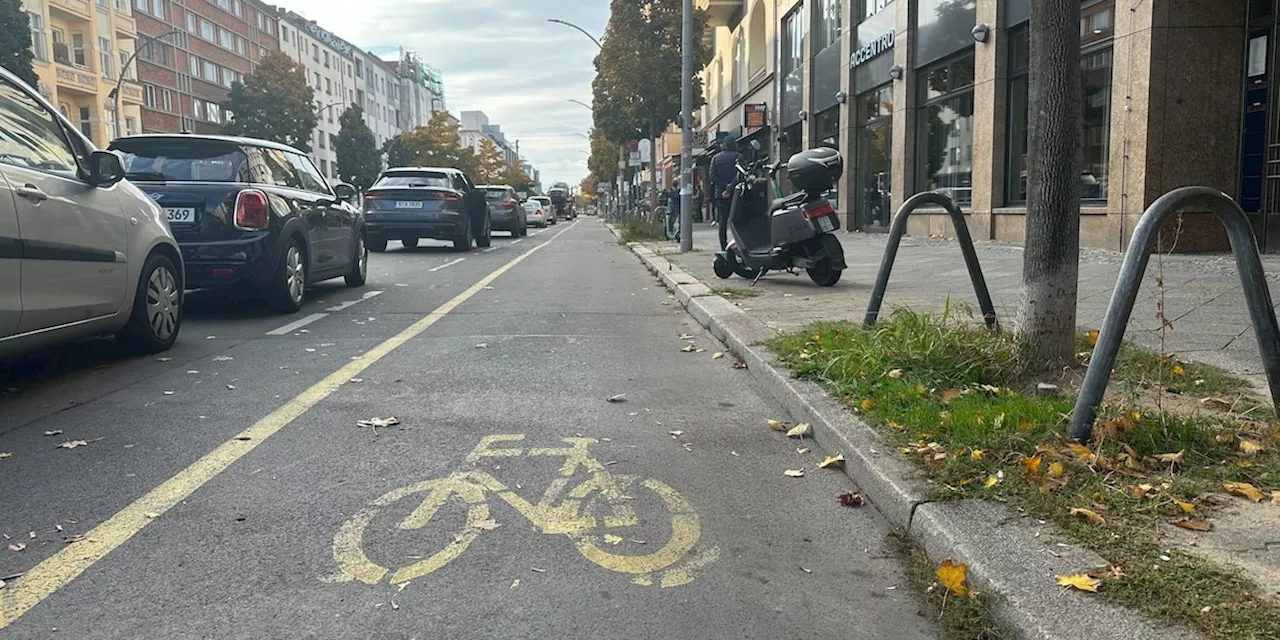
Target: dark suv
505, 210
409, 203
250, 214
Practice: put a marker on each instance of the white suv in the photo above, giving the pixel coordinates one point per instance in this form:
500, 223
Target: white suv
82, 252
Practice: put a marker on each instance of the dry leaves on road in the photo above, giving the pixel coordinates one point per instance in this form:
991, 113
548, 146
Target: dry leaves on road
55, 432
835, 461
1251, 448
739, 365
1193, 524
689, 348
1243, 490
1186, 507
777, 425
621, 397
954, 576
851, 499
71, 444
483, 345
5, 454
794, 473
1171, 458
378, 423
1032, 464
223, 359
1088, 514
1079, 581
675, 434
612, 539
800, 431
717, 356
17, 546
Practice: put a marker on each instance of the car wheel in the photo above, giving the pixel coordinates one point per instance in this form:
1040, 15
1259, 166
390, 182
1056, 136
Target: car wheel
463, 243
486, 235
289, 287
157, 308
359, 264
409, 243
377, 245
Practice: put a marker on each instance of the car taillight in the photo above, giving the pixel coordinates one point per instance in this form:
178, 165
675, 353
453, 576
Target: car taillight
445, 195
252, 211
509, 203
822, 209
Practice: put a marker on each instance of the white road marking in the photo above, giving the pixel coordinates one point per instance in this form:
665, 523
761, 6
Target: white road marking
517, 241
446, 265
489, 249
350, 303
294, 326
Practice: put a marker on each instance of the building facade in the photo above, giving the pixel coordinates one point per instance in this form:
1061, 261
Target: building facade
421, 89
378, 93
80, 47
197, 50
329, 64
923, 95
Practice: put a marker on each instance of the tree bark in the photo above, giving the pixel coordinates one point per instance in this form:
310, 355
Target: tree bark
1050, 270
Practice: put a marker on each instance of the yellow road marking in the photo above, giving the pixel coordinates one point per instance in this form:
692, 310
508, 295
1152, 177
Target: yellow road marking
16, 599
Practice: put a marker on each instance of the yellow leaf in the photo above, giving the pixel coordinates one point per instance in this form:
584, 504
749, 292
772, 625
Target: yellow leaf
1250, 448
777, 425
953, 576
1194, 525
1057, 469
1080, 581
1243, 490
951, 394
1186, 507
1032, 464
897, 427
992, 481
1275, 497
896, 373
1172, 458
717, 356
1025, 425
612, 539
1093, 338
833, 461
998, 421
1139, 492
1087, 514
976, 455
794, 473
1136, 415
1178, 370
1083, 453
800, 431
868, 405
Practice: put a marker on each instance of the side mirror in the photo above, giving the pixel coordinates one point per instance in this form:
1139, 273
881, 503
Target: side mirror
344, 192
105, 168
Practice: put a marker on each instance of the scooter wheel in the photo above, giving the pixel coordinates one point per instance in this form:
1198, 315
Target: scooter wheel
746, 272
823, 274
723, 269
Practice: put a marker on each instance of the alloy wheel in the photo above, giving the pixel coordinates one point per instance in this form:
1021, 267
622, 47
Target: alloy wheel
164, 303
295, 275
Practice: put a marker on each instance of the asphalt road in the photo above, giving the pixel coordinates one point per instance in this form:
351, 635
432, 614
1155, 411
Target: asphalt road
226, 491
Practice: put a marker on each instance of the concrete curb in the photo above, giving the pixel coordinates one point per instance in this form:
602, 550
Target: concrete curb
1012, 559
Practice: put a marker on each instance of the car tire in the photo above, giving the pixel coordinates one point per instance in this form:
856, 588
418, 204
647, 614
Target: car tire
377, 245
486, 235
288, 287
359, 264
156, 317
409, 243
463, 243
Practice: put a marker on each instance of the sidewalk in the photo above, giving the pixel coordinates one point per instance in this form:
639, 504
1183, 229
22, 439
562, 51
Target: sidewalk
1203, 298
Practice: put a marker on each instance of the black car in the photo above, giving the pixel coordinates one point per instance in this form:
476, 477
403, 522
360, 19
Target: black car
250, 214
505, 210
409, 203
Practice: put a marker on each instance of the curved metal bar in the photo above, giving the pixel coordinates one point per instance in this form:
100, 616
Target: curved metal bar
1252, 278
899, 229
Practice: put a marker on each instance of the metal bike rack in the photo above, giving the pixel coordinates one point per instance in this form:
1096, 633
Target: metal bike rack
896, 232
1252, 278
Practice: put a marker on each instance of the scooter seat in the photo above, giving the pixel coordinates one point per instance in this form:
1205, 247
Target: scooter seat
788, 201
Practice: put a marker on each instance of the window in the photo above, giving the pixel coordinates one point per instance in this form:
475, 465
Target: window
326, 59
77, 50
328, 86
739, 59
30, 136
142, 5
317, 74
226, 39
284, 34
215, 113
315, 52
38, 46
210, 71
157, 8
166, 100
86, 122
324, 166
829, 12
191, 22
124, 70
225, 5
944, 129
207, 30
228, 77
197, 108
149, 96
182, 160
872, 7
282, 173
872, 194
105, 59
193, 66
320, 139
237, 8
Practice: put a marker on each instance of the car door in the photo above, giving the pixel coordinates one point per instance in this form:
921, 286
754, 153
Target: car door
10, 262
74, 235
285, 173
477, 207
339, 221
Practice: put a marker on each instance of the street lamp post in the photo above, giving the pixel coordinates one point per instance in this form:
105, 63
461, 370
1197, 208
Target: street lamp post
572, 25
115, 93
686, 126
579, 102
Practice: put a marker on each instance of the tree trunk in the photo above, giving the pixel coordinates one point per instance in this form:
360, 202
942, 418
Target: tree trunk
1051, 260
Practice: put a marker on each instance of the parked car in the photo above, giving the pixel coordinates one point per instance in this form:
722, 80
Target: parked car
505, 210
423, 202
82, 252
547, 206
535, 215
250, 215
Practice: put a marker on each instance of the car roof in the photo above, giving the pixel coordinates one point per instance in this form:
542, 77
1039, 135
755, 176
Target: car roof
436, 169
236, 140
492, 186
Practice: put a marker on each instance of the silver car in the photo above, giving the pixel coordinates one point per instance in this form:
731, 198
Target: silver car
82, 252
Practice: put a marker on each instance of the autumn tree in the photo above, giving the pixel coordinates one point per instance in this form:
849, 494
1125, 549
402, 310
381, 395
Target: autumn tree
1050, 268
15, 42
359, 159
638, 72
435, 145
274, 103
603, 162
515, 177
492, 163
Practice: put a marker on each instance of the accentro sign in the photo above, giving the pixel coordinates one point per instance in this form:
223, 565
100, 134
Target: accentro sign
874, 48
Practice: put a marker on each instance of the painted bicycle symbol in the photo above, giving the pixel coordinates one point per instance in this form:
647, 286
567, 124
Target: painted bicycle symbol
590, 514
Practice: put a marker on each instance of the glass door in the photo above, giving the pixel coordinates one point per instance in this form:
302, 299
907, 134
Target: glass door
872, 200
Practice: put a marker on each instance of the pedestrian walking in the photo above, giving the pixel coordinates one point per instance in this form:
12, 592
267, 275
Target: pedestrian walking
723, 174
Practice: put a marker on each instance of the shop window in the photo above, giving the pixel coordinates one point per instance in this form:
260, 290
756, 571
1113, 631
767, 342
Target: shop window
827, 131
944, 129
874, 165
758, 49
829, 14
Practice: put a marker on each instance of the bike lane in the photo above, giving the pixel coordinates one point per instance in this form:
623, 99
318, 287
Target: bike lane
684, 524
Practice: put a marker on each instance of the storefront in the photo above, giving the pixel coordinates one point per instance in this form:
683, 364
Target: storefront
871, 66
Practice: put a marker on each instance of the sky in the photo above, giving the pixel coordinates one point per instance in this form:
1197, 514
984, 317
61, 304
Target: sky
497, 56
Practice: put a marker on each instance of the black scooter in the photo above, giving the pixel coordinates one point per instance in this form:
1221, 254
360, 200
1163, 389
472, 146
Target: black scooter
786, 233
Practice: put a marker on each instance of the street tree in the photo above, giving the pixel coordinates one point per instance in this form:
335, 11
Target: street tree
274, 103
638, 72
515, 177
603, 162
1052, 247
359, 159
435, 145
15, 42
492, 163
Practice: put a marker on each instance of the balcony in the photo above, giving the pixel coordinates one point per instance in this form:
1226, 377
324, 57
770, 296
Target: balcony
719, 12
78, 9
76, 78
131, 92
126, 26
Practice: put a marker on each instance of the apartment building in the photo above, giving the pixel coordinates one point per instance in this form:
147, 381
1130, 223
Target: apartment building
421, 89
80, 48
378, 93
194, 51
476, 126
329, 64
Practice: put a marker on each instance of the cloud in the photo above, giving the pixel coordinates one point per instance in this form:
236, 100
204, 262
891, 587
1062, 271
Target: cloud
497, 56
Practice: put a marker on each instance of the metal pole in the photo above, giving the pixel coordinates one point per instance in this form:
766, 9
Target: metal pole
686, 129
147, 40
584, 31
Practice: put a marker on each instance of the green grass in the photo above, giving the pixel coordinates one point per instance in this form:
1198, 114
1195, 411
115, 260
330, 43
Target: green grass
960, 618
962, 402
638, 229
736, 293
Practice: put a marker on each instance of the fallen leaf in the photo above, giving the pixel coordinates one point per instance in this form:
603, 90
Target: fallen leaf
223, 359
310, 350
800, 431
488, 288
1178, 370
1032, 464
897, 427
1025, 425
896, 373
5, 454
487, 525
851, 499
55, 432
163, 359
1081, 582
168, 393
612, 539
794, 473
17, 546
1186, 507
1139, 492
231, 387
1093, 338
685, 336
356, 380
676, 434
1275, 497
71, 444
802, 450
953, 576
377, 423
717, 356
689, 348
994, 480
621, 397
739, 365
483, 345
998, 421
1217, 403
976, 455
1250, 447
1057, 469
152, 515
72, 539
951, 394
1243, 490
777, 425
537, 570
868, 405
1194, 525
836, 461
1171, 458
1088, 514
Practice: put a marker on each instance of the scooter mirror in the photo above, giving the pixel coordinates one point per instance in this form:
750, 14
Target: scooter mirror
755, 145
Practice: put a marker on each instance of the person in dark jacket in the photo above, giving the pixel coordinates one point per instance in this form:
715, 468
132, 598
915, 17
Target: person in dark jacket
723, 173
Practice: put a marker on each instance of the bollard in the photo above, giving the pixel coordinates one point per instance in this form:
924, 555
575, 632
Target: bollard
899, 229
1244, 246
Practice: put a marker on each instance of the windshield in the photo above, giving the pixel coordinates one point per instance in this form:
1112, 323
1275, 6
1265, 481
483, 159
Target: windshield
531, 205
414, 179
495, 195
182, 160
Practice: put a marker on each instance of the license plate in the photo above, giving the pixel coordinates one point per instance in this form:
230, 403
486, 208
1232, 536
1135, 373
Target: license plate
180, 214
826, 224
408, 204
